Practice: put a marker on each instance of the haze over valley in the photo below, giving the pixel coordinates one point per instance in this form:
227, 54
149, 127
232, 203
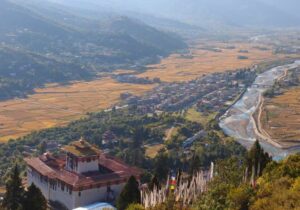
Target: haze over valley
149, 104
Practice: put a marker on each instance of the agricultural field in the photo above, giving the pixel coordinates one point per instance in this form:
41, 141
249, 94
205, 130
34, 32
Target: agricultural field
281, 118
208, 57
58, 105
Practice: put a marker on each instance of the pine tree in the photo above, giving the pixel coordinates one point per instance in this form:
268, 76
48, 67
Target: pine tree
34, 199
257, 160
13, 197
154, 183
42, 147
129, 195
194, 165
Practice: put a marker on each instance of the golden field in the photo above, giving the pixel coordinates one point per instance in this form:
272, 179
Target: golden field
178, 68
281, 117
57, 105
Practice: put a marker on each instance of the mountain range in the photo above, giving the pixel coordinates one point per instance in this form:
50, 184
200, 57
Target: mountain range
50, 43
207, 13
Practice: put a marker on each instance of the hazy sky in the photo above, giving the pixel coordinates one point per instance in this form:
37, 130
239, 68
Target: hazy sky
235, 12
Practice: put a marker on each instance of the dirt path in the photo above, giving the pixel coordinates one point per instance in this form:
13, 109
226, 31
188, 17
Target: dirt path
169, 134
259, 130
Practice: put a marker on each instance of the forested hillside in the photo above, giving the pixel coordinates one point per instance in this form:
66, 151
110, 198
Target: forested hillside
275, 187
134, 133
54, 45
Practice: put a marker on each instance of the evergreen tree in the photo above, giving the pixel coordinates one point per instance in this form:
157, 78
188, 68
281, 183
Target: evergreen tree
195, 165
161, 165
13, 197
154, 183
129, 195
257, 160
34, 199
135, 155
42, 147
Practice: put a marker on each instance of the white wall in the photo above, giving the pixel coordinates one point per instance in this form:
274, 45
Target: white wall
72, 200
88, 166
34, 177
95, 195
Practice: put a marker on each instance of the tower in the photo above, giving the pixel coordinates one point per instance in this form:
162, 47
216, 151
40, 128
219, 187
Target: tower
81, 157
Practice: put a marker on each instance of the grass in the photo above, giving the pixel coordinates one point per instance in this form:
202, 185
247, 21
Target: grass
193, 115
151, 151
170, 133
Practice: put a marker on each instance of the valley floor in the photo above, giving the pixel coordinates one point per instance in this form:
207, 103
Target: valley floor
58, 105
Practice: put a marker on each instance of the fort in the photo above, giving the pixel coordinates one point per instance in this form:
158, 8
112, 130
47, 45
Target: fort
81, 177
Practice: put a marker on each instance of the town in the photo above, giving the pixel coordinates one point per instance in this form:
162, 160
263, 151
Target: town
210, 93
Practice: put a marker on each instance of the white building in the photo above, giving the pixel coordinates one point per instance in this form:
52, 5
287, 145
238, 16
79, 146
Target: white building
81, 177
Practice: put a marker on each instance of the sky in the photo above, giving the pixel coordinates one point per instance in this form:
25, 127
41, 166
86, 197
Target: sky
206, 12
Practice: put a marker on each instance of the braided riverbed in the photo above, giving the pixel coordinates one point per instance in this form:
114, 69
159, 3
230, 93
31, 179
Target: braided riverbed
238, 121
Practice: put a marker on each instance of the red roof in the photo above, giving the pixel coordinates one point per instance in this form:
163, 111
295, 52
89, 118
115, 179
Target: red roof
53, 168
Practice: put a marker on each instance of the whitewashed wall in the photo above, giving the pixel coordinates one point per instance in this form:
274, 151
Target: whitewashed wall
87, 166
71, 200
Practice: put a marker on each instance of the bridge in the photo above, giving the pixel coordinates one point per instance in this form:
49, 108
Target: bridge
255, 85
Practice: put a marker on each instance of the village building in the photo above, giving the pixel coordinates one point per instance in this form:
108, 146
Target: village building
81, 177
109, 138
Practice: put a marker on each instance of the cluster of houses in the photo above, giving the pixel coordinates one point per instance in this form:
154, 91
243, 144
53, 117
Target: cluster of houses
136, 80
210, 92
219, 99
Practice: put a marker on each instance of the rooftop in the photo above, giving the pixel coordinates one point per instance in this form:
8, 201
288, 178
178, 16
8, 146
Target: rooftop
81, 148
54, 168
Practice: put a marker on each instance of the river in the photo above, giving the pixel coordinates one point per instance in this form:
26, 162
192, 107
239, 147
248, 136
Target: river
238, 122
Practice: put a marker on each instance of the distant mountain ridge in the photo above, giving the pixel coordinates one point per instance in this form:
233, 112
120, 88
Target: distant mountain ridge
210, 13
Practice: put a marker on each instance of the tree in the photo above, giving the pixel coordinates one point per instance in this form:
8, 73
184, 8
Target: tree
195, 164
13, 197
239, 198
34, 199
229, 175
257, 160
279, 186
129, 195
154, 183
42, 147
135, 154
135, 207
161, 166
